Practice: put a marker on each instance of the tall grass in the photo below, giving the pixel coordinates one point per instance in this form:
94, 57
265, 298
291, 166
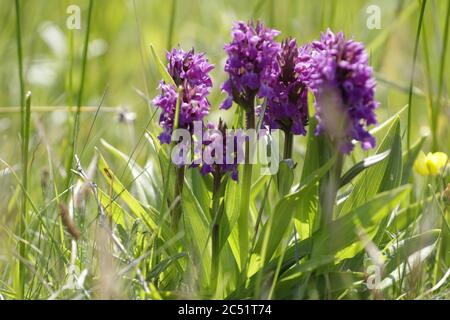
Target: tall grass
264, 237
76, 122
20, 272
443, 59
413, 69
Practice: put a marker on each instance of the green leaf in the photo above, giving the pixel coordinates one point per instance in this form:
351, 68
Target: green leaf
285, 176
378, 176
278, 225
406, 217
196, 226
409, 157
393, 174
340, 238
161, 68
134, 205
306, 221
201, 191
232, 200
311, 162
405, 255
113, 209
141, 179
339, 280
363, 165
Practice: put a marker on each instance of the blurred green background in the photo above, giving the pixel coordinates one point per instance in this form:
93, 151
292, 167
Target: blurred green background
122, 30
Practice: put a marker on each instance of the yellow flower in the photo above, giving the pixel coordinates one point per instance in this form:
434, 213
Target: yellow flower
430, 164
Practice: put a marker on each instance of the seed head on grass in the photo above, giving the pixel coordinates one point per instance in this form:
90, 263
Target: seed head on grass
190, 71
344, 88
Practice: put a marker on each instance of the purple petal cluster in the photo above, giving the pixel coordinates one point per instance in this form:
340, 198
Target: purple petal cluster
217, 135
287, 107
190, 71
344, 88
251, 63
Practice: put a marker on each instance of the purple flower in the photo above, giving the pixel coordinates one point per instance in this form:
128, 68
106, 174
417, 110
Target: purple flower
251, 63
189, 71
216, 138
344, 88
287, 107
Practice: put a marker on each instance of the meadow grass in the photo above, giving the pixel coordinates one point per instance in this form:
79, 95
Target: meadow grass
92, 207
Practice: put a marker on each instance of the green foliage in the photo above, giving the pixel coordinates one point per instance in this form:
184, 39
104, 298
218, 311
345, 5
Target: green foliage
389, 232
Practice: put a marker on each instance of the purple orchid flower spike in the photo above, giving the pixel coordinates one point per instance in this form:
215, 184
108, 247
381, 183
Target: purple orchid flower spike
251, 63
190, 71
344, 88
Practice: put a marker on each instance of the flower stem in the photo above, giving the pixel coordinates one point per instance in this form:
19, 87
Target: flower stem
245, 195
329, 187
19, 280
179, 182
288, 144
179, 179
217, 216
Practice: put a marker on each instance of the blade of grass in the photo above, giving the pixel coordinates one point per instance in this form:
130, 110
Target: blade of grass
413, 69
23, 216
435, 117
19, 278
76, 125
20, 62
173, 10
161, 68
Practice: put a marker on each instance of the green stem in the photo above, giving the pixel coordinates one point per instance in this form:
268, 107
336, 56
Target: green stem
245, 195
171, 23
435, 117
329, 187
20, 268
24, 213
80, 99
20, 65
416, 46
215, 253
288, 144
179, 182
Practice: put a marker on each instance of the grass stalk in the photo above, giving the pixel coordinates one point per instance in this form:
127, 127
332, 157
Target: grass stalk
215, 252
328, 191
436, 111
24, 212
173, 10
176, 213
411, 84
20, 64
288, 145
245, 195
76, 123
19, 282
179, 182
